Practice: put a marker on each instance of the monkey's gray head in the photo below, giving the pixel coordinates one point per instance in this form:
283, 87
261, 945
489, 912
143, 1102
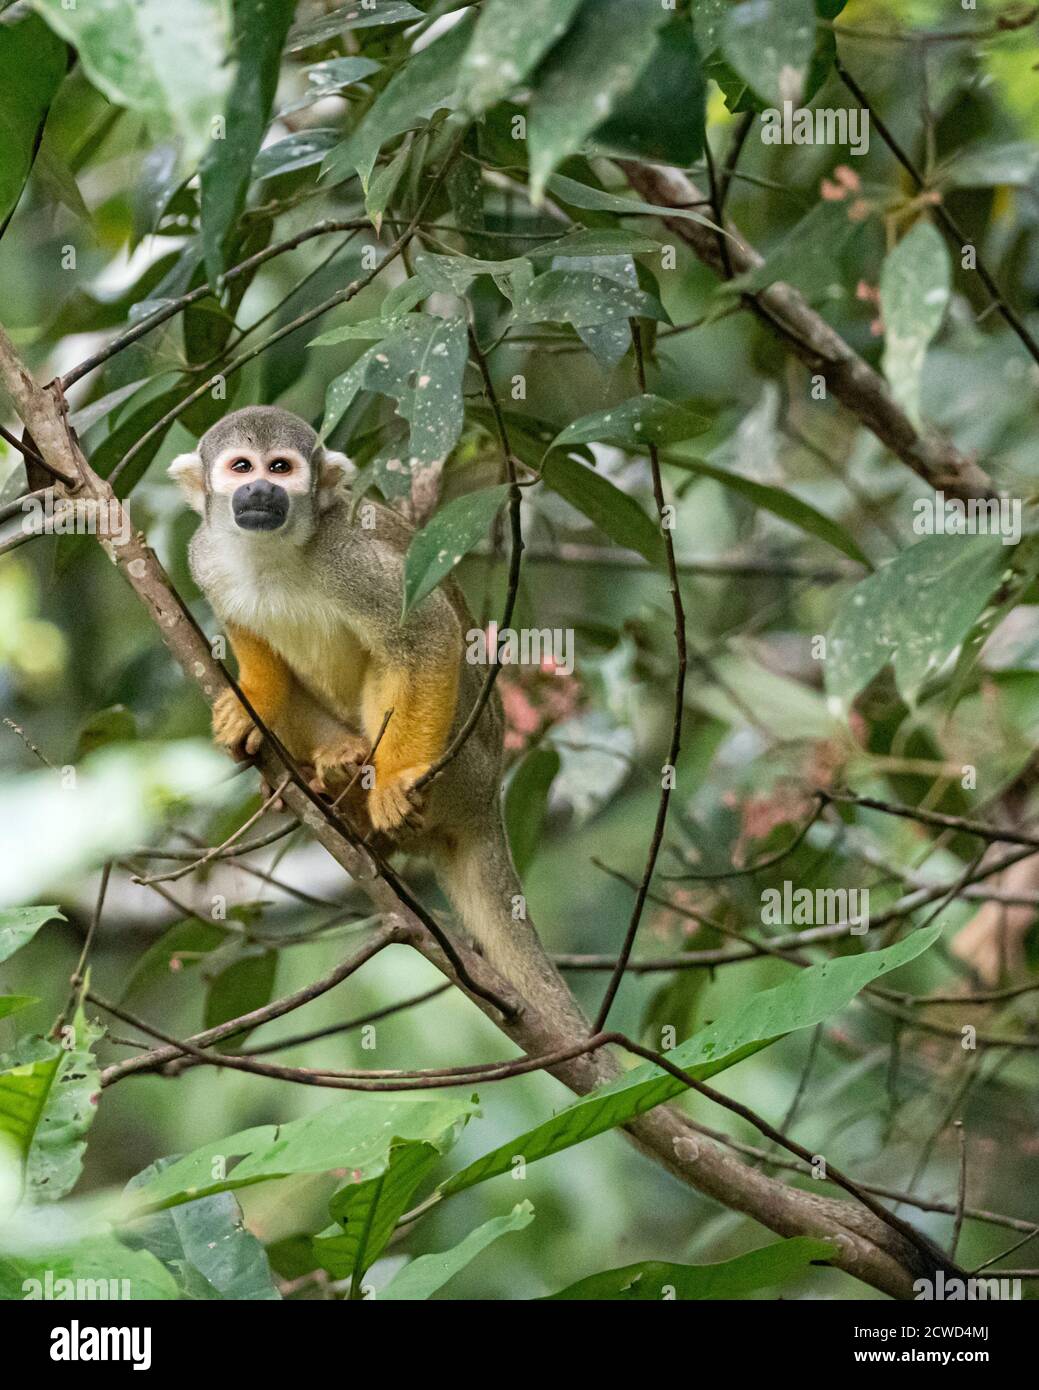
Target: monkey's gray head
261, 470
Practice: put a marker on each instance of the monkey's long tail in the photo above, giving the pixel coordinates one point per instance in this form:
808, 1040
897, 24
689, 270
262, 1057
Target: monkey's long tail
482, 886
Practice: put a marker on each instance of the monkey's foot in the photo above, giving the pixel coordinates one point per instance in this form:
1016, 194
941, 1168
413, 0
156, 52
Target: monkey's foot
337, 764
393, 802
233, 729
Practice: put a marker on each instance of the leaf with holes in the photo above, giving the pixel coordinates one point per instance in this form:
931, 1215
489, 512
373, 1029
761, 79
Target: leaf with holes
914, 295
635, 423
445, 539
419, 363
914, 612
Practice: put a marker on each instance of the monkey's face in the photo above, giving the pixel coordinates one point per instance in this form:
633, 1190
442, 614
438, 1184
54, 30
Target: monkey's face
261, 471
262, 484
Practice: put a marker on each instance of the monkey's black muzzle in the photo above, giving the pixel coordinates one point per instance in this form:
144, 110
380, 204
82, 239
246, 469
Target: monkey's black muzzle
260, 506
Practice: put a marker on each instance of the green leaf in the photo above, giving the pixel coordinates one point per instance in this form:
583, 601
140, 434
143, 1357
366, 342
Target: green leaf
420, 364
991, 164
424, 1276
582, 195
367, 1212
914, 294
785, 505
423, 86
915, 611
100, 1267
654, 1280
13, 1003
116, 724
179, 948
583, 298
204, 1245
384, 184
596, 241
662, 118
807, 257
447, 536
244, 985
297, 151
585, 76
454, 274
20, 924
769, 43
508, 43
355, 1134
330, 78
635, 423
615, 513
32, 66
813, 995
260, 29
526, 803
166, 61
352, 16
48, 1099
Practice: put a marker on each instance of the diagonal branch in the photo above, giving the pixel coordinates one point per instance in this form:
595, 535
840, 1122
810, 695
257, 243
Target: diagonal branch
860, 389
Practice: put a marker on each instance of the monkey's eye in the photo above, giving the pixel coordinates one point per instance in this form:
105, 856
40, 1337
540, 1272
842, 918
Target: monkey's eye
279, 466
241, 466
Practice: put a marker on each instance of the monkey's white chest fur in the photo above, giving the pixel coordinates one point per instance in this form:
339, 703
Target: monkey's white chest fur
272, 593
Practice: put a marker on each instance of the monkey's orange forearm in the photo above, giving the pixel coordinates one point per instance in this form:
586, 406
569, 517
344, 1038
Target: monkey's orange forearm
423, 707
263, 676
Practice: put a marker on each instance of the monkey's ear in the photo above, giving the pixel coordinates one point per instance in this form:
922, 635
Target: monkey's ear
188, 471
334, 470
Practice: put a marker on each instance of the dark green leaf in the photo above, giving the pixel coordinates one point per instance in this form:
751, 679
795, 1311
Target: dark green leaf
615, 513
352, 16
770, 44
526, 804
662, 118
508, 42
585, 299
585, 76
654, 1280
260, 29
32, 65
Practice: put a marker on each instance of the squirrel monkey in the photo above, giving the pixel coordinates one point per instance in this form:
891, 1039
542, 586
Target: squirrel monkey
310, 599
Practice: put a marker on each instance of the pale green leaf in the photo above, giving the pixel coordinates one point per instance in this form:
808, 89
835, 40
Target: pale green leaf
915, 611
425, 1275
20, 924
635, 423
769, 43
167, 61
914, 295
355, 1134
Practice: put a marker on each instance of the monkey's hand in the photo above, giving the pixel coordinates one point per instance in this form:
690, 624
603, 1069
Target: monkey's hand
337, 763
233, 729
393, 802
